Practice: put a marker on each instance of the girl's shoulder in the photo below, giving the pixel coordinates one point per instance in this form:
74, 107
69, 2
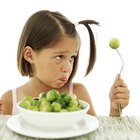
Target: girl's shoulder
80, 90
79, 86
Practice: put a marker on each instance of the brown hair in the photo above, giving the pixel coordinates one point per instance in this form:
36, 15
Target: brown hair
43, 29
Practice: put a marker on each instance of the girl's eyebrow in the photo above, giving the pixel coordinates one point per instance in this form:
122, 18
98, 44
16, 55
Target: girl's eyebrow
62, 52
57, 52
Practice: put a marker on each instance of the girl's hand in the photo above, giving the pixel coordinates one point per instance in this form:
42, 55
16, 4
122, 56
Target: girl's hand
119, 95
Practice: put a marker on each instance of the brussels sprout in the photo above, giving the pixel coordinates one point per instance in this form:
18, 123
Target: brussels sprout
80, 105
72, 108
73, 102
43, 102
28, 98
56, 107
25, 104
46, 108
34, 107
43, 95
67, 98
114, 43
64, 110
52, 95
61, 102
36, 102
62, 95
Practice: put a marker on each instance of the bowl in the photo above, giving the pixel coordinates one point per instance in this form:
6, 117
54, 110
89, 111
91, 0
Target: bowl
53, 120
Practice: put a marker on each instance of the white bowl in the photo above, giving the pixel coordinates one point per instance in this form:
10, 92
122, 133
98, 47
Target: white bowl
53, 120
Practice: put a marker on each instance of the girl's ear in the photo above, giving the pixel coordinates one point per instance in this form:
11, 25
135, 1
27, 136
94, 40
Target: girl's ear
28, 54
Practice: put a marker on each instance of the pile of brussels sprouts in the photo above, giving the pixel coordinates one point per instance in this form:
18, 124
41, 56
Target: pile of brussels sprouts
52, 101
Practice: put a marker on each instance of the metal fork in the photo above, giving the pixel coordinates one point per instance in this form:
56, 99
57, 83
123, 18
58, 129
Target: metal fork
119, 106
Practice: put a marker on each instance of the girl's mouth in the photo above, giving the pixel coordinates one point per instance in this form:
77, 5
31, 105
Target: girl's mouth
64, 79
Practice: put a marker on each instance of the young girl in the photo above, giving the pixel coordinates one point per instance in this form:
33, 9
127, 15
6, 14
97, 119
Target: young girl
48, 53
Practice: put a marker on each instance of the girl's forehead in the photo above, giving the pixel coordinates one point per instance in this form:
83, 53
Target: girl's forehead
66, 44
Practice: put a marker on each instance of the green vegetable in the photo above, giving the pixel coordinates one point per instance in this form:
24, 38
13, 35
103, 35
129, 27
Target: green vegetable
73, 102
46, 108
67, 97
43, 95
52, 95
114, 43
52, 101
43, 102
63, 110
72, 108
56, 107
35, 108
61, 101
25, 104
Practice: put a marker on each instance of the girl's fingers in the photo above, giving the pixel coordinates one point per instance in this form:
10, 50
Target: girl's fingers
119, 82
120, 96
122, 102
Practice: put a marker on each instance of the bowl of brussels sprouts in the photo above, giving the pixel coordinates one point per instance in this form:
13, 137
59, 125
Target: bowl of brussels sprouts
52, 110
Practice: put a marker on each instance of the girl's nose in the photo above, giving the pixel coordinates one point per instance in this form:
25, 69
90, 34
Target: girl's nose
66, 67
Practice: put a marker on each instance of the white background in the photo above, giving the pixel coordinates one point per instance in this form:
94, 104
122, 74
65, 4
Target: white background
118, 18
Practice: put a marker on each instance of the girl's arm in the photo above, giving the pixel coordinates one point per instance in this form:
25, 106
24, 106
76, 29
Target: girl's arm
6, 100
1, 106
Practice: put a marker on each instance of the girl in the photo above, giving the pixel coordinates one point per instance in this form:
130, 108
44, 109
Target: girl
48, 53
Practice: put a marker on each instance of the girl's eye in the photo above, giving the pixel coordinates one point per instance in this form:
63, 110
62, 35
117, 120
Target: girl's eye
59, 57
62, 57
72, 58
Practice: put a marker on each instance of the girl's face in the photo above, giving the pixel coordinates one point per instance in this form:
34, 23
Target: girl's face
53, 65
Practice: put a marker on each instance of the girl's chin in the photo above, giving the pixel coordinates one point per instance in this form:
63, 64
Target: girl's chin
59, 85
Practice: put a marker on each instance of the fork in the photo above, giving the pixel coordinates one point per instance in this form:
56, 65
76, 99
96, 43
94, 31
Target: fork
119, 106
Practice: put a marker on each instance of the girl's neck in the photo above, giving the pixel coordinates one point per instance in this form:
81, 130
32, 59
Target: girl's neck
36, 87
